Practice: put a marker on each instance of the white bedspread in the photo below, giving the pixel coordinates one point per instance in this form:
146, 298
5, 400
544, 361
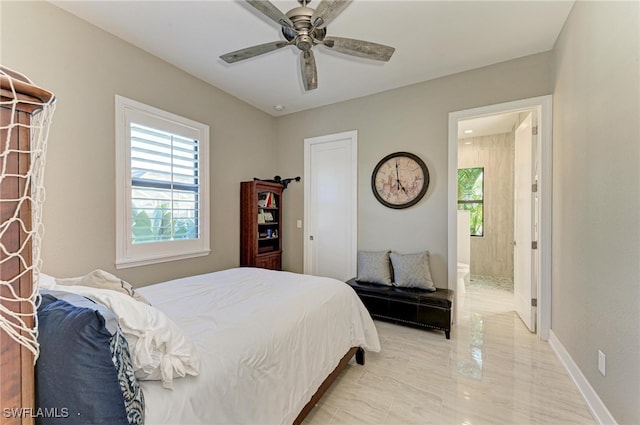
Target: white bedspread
268, 339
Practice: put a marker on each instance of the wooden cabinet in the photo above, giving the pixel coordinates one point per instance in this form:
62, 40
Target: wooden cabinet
261, 224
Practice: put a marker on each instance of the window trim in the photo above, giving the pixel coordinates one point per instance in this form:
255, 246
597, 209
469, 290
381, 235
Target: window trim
128, 254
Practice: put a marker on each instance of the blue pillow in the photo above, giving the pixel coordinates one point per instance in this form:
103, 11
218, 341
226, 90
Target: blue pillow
76, 300
75, 374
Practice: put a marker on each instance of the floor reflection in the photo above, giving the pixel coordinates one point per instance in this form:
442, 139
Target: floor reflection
472, 367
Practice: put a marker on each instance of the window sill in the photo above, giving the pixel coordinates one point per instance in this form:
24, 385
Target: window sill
126, 263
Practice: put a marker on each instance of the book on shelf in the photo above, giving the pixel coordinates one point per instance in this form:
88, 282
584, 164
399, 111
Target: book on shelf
267, 200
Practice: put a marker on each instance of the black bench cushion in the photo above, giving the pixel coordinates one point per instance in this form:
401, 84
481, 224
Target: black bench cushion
440, 298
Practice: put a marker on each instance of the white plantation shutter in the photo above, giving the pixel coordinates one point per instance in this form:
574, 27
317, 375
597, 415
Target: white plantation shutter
162, 182
164, 185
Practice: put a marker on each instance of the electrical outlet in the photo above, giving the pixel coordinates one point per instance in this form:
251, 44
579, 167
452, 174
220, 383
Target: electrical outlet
602, 363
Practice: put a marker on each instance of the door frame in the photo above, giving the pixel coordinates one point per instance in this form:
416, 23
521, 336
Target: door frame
543, 106
352, 136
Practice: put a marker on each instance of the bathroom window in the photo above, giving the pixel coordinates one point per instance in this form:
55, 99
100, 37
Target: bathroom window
471, 197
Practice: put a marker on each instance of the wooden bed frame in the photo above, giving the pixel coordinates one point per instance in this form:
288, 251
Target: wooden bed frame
16, 361
359, 353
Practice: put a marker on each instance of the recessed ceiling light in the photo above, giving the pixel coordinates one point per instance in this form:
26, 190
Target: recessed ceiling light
278, 107
468, 131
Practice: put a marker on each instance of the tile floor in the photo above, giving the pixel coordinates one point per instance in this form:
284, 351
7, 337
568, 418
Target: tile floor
490, 282
491, 371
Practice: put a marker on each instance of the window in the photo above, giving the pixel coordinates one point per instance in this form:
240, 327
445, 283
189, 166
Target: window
162, 173
471, 197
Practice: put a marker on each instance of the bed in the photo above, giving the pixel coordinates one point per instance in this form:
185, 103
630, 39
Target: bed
265, 343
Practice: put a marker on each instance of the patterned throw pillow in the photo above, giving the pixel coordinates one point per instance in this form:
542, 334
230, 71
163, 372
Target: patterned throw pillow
412, 271
129, 385
374, 267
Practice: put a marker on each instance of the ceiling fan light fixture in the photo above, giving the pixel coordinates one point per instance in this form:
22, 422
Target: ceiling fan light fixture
304, 42
305, 28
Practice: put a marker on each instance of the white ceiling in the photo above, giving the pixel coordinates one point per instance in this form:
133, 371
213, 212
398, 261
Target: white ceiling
432, 39
488, 125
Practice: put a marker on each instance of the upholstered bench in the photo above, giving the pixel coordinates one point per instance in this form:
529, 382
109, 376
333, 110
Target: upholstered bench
410, 306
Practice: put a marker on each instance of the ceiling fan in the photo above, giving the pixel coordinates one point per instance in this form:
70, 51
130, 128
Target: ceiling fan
305, 28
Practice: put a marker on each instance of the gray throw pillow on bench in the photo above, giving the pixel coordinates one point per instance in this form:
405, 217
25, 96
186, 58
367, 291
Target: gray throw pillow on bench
374, 267
412, 271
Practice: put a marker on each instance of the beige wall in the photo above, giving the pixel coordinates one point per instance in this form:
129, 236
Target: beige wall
596, 236
413, 119
492, 253
86, 67
596, 199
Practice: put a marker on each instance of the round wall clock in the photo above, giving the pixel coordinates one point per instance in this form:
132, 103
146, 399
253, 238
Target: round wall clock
400, 180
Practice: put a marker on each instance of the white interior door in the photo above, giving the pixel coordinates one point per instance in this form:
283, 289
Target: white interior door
524, 228
330, 230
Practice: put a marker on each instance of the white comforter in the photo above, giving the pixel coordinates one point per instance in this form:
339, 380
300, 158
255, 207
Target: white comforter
267, 340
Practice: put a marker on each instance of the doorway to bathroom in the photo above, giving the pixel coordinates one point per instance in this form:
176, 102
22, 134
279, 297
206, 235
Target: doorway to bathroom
499, 177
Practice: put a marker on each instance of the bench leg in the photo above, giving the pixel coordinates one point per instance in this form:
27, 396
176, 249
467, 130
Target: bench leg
360, 356
447, 334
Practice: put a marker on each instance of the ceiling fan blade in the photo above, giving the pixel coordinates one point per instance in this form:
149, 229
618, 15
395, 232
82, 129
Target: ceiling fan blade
250, 52
363, 49
268, 9
308, 70
327, 11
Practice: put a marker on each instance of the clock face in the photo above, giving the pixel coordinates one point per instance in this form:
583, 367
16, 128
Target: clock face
400, 180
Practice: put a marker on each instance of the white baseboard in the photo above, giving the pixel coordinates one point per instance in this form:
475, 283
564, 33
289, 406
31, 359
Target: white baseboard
595, 405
